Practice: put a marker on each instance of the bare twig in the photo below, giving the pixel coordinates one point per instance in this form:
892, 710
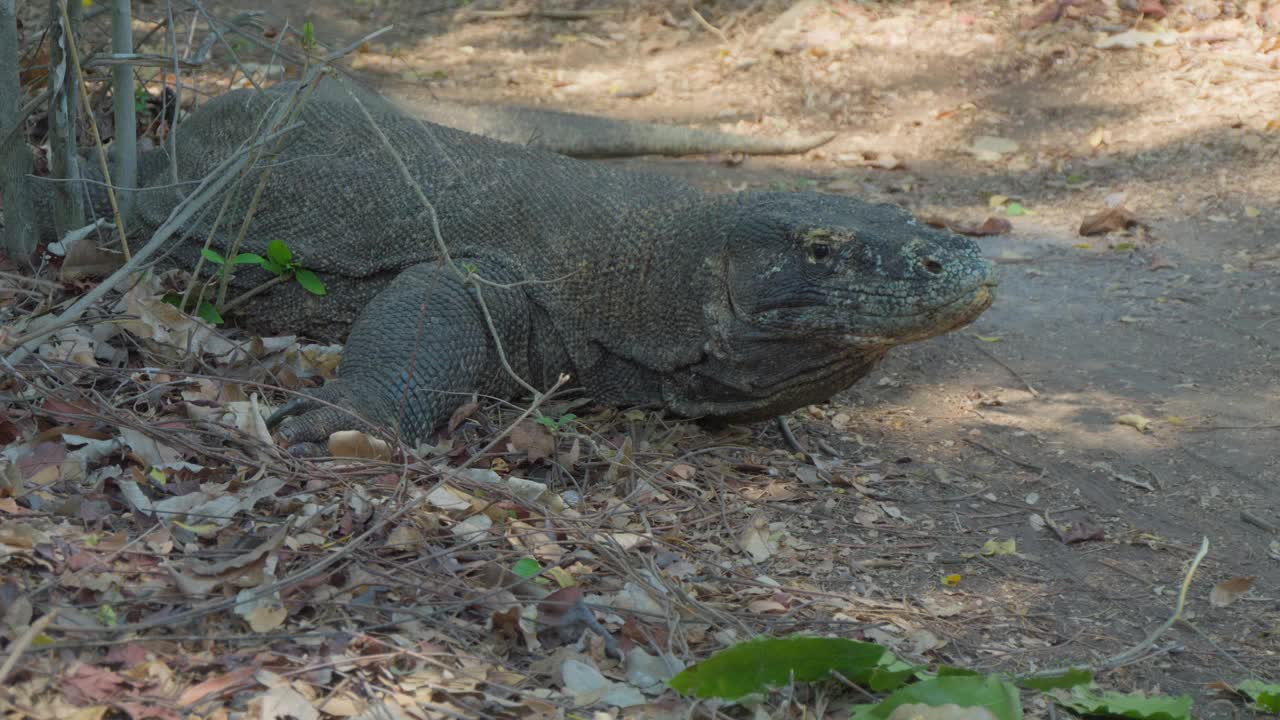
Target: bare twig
706, 25
1001, 454
1011, 371
248, 295
1257, 520
1212, 428
25, 280
21, 644
1147, 645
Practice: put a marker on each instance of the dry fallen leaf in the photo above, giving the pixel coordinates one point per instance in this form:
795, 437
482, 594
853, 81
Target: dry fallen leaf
920, 711
991, 226
755, 540
1228, 591
264, 619
1109, 220
532, 439
1131, 39
989, 148
1000, 547
283, 702
1135, 421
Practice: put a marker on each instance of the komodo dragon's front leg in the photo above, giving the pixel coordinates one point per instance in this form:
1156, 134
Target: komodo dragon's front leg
416, 353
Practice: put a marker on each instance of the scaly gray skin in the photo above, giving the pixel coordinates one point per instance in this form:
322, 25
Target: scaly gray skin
589, 136
648, 291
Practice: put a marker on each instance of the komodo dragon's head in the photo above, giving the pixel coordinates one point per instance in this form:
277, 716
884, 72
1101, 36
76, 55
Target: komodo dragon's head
852, 276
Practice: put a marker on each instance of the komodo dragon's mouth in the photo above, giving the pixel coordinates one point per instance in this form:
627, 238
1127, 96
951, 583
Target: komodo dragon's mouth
852, 325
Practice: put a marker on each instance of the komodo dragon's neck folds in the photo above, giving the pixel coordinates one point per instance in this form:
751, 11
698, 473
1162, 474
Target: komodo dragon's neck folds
645, 290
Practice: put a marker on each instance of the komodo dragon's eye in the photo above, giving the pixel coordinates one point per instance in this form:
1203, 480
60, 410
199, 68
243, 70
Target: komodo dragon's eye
820, 251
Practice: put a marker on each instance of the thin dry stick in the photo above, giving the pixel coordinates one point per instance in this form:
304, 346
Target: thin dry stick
93, 128
706, 25
1137, 651
248, 295
20, 646
1011, 371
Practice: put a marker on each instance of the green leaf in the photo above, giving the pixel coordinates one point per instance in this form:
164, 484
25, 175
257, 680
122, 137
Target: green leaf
213, 256
1137, 706
273, 268
248, 259
279, 253
308, 35
208, 313
1265, 695
1069, 679
310, 282
752, 666
953, 671
996, 696
107, 615
526, 567
1014, 209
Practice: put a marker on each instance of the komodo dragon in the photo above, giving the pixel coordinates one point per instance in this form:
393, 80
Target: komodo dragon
647, 291
589, 136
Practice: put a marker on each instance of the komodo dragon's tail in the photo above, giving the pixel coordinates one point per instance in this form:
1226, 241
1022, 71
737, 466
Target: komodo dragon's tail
597, 137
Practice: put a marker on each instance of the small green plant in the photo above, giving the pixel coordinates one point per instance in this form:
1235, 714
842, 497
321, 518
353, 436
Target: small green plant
279, 262
140, 98
556, 425
308, 36
203, 310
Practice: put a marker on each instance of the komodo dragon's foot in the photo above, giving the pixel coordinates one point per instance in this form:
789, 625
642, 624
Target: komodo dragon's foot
306, 422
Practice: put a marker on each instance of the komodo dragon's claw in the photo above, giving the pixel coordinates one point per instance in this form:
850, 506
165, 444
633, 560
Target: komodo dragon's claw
307, 421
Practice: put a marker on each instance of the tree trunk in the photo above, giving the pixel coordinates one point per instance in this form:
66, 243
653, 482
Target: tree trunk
64, 105
125, 174
15, 159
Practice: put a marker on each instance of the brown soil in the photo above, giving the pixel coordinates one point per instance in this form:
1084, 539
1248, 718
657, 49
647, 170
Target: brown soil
989, 432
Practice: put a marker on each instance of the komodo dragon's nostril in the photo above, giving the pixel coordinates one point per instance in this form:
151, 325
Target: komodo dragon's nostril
932, 265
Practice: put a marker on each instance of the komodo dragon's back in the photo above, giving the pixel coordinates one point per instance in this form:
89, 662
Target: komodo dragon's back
644, 289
